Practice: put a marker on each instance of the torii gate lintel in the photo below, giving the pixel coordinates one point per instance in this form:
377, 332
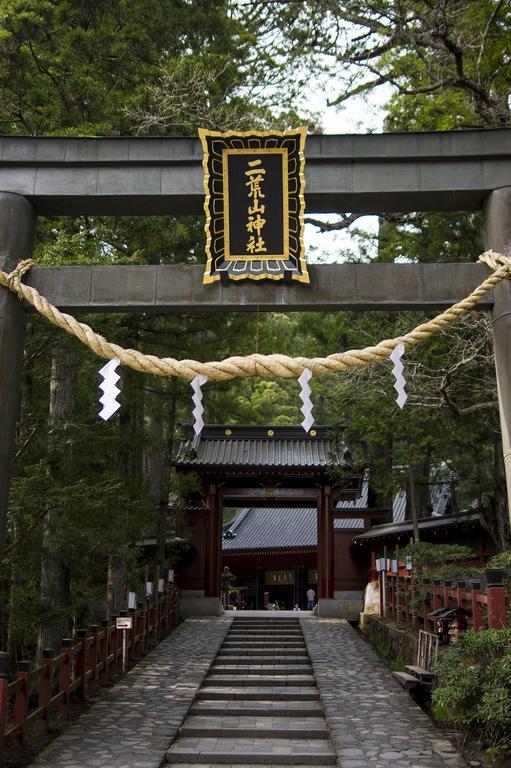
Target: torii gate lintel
456, 170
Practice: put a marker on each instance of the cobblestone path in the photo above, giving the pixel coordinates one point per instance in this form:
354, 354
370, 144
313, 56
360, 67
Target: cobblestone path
133, 724
244, 692
259, 704
373, 722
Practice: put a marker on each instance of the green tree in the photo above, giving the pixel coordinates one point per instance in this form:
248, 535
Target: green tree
92, 69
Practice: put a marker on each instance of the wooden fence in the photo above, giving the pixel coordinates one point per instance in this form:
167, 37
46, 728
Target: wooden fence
36, 696
483, 604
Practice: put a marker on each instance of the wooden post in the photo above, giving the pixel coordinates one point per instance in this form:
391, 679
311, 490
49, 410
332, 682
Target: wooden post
132, 633
477, 614
17, 226
426, 604
496, 599
93, 655
81, 662
103, 649
21, 702
213, 543
65, 676
447, 593
325, 545
460, 591
497, 222
45, 684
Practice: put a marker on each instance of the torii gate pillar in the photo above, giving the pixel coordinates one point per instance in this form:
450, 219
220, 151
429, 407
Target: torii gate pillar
17, 227
497, 212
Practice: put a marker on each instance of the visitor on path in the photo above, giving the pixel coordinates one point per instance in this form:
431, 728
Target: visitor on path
296, 608
311, 596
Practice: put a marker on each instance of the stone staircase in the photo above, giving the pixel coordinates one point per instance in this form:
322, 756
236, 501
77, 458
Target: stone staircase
259, 704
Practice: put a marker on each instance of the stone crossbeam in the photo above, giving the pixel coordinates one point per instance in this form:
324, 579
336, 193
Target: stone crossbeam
179, 288
451, 170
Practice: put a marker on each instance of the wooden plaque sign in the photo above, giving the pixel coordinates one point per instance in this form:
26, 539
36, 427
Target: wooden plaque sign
254, 205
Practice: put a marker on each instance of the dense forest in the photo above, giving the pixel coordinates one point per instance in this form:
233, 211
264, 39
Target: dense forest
84, 492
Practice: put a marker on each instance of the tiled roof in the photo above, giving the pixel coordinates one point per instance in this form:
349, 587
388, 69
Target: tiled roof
440, 495
233, 446
271, 528
392, 529
362, 501
349, 522
277, 528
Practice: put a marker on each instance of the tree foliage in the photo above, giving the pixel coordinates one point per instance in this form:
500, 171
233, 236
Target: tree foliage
474, 687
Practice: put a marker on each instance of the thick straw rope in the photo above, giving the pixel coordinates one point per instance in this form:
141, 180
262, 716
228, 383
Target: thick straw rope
253, 365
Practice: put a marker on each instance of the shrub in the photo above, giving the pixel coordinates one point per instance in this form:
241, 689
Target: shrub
474, 687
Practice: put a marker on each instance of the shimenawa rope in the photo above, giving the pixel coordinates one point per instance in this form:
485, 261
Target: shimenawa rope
252, 365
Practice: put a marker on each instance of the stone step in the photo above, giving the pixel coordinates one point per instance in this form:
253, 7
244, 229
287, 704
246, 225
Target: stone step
266, 660
422, 674
296, 709
275, 628
267, 650
271, 634
246, 726
405, 680
280, 652
214, 751
258, 680
268, 616
259, 669
252, 693
275, 642
293, 623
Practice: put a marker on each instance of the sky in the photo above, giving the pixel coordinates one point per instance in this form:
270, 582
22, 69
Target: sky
360, 115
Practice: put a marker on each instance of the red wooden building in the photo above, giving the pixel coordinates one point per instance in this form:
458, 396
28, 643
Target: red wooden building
303, 475
299, 515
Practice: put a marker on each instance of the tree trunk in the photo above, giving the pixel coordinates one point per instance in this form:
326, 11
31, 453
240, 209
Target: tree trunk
154, 467
116, 587
55, 582
495, 513
412, 496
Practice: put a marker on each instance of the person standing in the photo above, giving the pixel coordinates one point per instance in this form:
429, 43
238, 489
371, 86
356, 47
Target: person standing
311, 596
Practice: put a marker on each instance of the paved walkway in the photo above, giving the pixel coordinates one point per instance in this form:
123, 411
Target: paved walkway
133, 724
373, 721
243, 692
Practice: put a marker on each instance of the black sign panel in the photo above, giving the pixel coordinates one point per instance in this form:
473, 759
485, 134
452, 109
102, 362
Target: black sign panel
254, 205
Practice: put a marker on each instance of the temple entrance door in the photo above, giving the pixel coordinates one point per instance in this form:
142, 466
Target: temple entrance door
316, 499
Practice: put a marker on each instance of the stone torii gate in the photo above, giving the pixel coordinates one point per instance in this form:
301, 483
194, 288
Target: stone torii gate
448, 171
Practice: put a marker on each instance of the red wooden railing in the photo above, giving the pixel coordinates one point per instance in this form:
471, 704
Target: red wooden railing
409, 602
36, 696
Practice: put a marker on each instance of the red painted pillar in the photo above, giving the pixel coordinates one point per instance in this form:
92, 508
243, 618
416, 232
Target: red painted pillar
496, 599
477, 614
213, 553
325, 544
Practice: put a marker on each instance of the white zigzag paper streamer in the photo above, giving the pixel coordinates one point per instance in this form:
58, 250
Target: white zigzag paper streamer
198, 411
110, 390
305, 394
397, 370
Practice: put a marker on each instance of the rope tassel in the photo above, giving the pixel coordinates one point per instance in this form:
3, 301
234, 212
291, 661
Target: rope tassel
397, 370
198, 411
305, 394
110, 389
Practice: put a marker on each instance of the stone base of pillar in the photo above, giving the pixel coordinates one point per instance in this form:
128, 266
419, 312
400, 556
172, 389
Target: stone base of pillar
194, 603
344, 605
